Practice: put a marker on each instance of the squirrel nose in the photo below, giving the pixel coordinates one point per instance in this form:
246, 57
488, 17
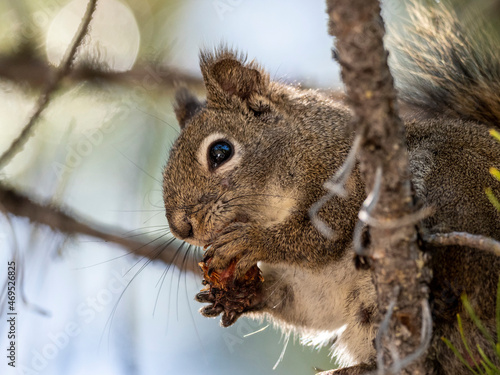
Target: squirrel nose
181, 229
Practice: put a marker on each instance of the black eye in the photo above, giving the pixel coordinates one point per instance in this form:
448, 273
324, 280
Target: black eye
219, 152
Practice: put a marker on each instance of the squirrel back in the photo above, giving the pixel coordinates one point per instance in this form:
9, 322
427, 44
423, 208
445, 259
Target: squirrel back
445, 68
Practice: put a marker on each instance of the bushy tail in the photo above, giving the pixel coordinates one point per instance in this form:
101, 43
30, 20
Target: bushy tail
445, 67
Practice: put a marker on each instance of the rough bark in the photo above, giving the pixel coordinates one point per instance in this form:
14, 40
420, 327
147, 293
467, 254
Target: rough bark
399, 272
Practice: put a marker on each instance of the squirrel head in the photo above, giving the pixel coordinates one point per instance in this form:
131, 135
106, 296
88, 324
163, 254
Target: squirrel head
220, 166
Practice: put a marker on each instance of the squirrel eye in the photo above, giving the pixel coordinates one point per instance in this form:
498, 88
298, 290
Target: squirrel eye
219, 152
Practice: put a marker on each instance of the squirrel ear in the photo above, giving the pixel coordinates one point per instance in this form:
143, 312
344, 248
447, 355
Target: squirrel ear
235, 79
186, 105
227, 77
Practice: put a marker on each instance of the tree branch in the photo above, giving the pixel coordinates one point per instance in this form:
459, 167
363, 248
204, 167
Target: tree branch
52, 85
22, 206
358, 28
27, 69
465, 239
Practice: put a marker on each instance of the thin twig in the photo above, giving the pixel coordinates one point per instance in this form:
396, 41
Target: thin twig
425, 341
382, 331
321, 225
406, 220
20, 205
337, 183
465, 239
52, 86
335, 187
367, 207
399, 364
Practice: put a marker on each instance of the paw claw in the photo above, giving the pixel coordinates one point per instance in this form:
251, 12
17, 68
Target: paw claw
204, 297
211, 311
228, 319
210, 271
209, 253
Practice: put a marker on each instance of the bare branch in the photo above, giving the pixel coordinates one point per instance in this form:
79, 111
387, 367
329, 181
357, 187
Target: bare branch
27, 69
70, 54
55, 218
465, 239
52, 86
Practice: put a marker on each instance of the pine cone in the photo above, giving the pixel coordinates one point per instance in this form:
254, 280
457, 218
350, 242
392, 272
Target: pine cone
227, 295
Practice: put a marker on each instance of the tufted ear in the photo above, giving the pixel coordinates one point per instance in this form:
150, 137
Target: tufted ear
185, 107
230, 80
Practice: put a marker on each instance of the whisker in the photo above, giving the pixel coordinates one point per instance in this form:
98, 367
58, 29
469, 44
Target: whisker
254, 195
169, 241
155, 215
198, 210
186, 206
113, 311
139, 167
164, 275
135, 211
163, 229
179, 279
252, 204
159, 119
171, 284
132, 252
148, 227
193, 255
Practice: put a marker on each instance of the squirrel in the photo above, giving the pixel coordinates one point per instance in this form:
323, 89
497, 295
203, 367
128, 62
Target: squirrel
252, 158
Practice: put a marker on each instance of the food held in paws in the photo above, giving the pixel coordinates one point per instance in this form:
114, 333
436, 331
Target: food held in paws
229, 295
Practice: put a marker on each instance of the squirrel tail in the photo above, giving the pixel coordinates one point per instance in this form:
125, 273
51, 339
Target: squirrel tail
445, 69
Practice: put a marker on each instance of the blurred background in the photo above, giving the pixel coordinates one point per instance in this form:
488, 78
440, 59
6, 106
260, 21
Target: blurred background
88, 306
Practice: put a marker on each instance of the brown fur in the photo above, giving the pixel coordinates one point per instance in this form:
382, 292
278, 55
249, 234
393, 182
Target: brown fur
290, 142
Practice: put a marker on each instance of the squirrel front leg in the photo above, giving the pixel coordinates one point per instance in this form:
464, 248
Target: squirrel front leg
293, 242
333, 304
283, 294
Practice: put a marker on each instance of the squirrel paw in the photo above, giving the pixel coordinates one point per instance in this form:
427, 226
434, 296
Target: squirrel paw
213, 309
234, 242
230, 305
231, 297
